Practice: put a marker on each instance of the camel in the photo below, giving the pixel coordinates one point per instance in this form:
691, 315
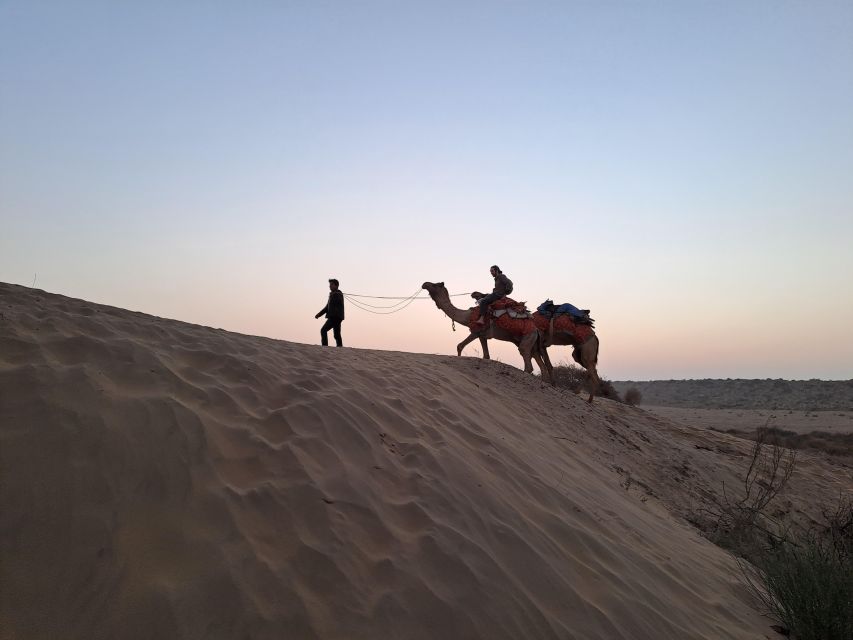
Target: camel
529, 345
583, 339
584, 352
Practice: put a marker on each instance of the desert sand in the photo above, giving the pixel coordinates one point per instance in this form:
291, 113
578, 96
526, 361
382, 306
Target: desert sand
162, 480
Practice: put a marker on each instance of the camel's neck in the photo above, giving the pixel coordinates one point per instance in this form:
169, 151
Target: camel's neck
462, 316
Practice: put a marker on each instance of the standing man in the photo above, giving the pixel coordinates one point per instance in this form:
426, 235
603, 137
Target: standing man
334, 311
503, 287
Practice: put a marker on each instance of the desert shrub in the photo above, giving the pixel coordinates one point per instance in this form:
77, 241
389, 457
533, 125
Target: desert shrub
742, 524
607, 390
633, 396
803, 578
576, 379
839, 526
570, 377
806, 581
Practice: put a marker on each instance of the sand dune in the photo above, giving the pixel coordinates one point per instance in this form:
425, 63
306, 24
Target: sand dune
165, 480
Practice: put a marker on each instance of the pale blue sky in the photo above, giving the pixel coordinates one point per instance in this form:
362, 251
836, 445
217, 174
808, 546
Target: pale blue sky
685, 169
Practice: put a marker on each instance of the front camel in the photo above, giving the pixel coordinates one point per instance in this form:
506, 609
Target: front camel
561, 330
528, 341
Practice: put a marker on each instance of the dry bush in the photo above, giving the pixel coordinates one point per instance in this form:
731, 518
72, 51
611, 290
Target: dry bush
576, 379
806, 580
838, 526
633, 396
570, 377
803, 578
743, 525
607, 390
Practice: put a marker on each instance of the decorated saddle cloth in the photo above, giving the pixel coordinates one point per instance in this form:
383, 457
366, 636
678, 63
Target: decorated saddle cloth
507, 314
579, 316
563, 323
510, 307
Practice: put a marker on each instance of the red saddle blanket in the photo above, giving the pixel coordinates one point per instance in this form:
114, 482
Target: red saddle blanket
508, 303
563, 322
515, 326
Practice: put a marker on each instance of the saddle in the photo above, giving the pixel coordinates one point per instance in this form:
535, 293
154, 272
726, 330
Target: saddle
509, 307
578, 316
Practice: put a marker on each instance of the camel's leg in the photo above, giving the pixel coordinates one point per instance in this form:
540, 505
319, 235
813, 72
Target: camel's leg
526, 348
540, 355
471, 337
547, 359
589, 360
485, 344
543, 370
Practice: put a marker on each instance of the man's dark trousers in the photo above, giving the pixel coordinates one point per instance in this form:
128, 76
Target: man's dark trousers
335, 326
485, 301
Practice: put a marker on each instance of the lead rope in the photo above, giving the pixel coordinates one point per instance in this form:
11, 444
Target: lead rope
394, 308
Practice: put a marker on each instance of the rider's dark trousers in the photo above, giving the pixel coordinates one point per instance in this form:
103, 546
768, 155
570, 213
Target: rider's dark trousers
485, 301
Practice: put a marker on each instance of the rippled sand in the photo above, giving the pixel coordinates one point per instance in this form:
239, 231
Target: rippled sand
166, 480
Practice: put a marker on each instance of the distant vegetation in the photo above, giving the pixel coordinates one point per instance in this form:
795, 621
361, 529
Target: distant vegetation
837, 445
795, 395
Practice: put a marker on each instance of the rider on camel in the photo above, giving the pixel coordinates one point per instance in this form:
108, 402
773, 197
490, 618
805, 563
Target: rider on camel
503, 287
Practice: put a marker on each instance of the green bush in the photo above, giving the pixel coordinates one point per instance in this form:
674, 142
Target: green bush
807, 585
803, 577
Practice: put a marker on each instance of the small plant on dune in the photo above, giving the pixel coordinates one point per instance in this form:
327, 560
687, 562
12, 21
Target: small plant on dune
839, 526
576, 379
802, 578
570, 377
743, 525
607, 390
806, 581
633, 396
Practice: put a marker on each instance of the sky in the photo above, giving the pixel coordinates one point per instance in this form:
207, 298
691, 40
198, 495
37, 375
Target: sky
682, 169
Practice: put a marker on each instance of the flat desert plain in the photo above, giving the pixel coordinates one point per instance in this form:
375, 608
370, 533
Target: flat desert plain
740, 407
748, 420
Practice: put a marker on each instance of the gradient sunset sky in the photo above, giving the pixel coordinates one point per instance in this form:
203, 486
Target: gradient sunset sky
682, 169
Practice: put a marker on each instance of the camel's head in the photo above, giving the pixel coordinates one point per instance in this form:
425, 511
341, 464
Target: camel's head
434, 288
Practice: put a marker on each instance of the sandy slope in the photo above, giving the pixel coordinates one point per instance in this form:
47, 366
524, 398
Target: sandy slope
165, 480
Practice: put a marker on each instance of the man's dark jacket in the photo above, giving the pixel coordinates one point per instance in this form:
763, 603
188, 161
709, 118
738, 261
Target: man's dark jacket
503, 285
334, 308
